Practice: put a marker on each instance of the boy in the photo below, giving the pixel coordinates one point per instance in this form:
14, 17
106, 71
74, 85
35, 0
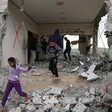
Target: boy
53, 50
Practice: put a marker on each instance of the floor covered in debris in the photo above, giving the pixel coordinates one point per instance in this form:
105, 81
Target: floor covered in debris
80, 88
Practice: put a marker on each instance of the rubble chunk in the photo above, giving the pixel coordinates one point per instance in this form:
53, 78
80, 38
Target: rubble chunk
80, 107
18, 109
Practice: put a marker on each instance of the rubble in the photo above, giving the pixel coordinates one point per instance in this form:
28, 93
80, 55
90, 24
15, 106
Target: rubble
79, 107
57, 99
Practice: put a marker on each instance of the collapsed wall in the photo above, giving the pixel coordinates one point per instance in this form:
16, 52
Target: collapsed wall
3, 23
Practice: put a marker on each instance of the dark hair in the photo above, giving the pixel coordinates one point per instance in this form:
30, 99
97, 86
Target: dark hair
12, 59
65, 38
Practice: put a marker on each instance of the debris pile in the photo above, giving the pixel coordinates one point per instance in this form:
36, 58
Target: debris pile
54, 99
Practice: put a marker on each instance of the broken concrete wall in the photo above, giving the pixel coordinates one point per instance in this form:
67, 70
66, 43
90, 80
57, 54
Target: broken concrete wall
20, 50
83, 43
3, 21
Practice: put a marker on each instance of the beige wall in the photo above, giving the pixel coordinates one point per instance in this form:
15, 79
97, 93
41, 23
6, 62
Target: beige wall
18, 52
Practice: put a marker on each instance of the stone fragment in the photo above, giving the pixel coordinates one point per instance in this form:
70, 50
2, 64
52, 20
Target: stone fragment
48, 107
91, 69
67, 108
55, 91
75, 69
69, 100
88, 100
37, 100
53, 100
92, 77
80, 107
30, 107
92, 91
18, 109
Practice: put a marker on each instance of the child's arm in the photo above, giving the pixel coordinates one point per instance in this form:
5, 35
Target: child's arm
24, 69
58, 49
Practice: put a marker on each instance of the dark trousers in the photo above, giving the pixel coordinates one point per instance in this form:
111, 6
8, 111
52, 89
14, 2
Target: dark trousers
9, 87
53, 66
37, 57
67, 51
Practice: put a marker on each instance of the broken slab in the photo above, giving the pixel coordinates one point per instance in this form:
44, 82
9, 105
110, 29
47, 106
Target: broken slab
107, 97
48, 107
80, 107
84, 74
75, 69
67, 108
88, 100
69, 100
87, 93
30, 107
18, 109
92, 76
91, 69
54, 91
37, 100
40, 110
53, 100
92, 91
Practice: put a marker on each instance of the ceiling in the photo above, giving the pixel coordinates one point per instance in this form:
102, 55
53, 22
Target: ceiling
62, 11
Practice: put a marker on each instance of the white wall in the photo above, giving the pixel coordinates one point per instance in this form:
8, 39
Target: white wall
18, 52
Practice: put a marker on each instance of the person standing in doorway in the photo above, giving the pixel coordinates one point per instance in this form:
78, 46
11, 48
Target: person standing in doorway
88, 49
67, 50
53, 50
44, 46
38, 51
33, 49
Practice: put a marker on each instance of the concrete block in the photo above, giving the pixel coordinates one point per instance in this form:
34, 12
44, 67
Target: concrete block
107, 97
30, 107
75, 69
37, 100
88, 100
55, 91
70, 100
81, 63
92, 77
22, 106
79, 107
92, 91
87, 93
18, 109
91, 69
39, 110
67, 108
84, 74
53, 100
48, 107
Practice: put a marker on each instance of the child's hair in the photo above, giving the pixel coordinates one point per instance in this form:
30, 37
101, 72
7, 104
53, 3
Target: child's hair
12, 59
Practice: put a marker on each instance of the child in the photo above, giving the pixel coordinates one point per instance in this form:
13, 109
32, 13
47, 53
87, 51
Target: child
54, 50
14, 81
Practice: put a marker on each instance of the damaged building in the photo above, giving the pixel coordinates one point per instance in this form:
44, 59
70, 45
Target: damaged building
83, 86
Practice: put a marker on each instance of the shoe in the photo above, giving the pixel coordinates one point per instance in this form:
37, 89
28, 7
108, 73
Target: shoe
27, 98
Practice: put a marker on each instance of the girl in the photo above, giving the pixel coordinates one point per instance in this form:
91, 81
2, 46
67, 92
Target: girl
14, 81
